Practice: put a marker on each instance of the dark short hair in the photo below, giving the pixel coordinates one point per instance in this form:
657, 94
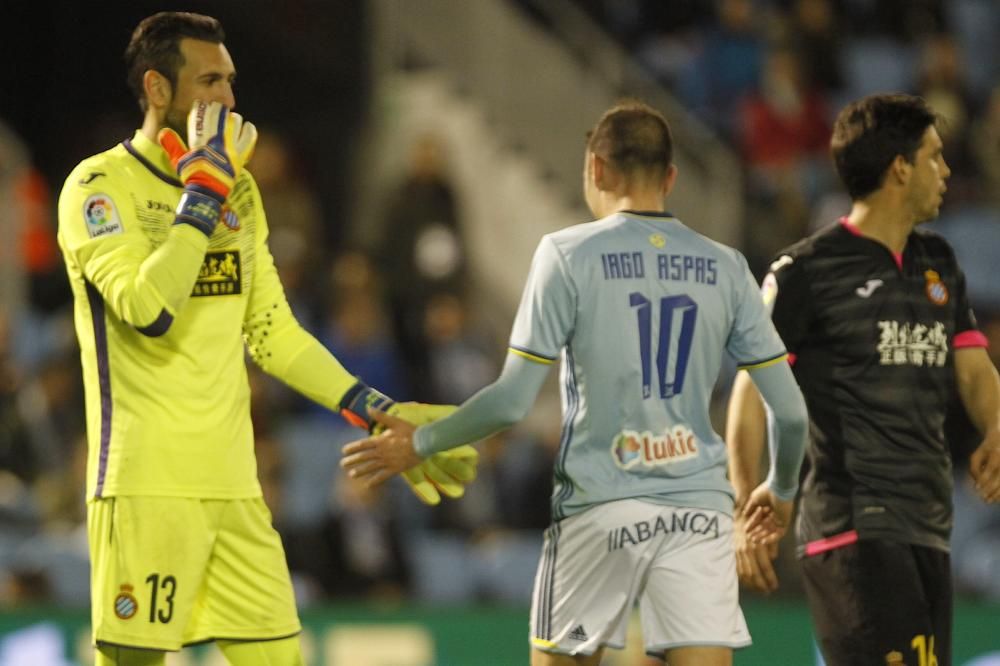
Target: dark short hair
634, 138
156, 45
869, 133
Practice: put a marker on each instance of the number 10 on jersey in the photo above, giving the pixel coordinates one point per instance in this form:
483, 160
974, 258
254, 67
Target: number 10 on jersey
669, 340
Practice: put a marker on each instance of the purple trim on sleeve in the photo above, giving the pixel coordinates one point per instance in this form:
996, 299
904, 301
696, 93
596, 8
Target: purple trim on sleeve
158, 327
104, 380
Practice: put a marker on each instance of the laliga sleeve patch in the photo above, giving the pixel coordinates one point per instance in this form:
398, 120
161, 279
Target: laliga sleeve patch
101, 215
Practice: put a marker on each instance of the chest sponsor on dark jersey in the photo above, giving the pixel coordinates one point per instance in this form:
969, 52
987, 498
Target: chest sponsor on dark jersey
221, 274
673, 267
694, 522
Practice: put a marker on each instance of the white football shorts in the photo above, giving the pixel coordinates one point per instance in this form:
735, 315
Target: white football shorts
677, 563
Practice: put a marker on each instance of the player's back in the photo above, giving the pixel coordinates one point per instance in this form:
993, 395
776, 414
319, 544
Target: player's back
657, 306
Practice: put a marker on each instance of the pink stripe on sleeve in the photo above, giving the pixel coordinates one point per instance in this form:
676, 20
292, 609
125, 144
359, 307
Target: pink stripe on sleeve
970, 339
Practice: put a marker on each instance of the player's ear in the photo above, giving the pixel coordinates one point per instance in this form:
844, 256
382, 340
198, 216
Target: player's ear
900, 170
602, 173
669, 179
157, 88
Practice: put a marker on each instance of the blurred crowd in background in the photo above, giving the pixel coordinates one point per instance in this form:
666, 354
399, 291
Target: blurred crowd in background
400, 310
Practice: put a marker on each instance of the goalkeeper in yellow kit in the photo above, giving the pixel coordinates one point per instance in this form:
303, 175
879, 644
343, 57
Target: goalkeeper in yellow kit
165, 242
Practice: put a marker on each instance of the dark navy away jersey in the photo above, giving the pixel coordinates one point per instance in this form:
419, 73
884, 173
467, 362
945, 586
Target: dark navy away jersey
872, 337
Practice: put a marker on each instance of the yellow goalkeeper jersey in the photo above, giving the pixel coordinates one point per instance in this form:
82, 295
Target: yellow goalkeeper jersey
162, 314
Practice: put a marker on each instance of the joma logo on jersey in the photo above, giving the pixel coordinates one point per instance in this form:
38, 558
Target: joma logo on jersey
220, 274
631, 448
903, 343
633, 534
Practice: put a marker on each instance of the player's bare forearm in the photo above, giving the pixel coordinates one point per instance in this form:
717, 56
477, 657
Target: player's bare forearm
979, 388
746, 427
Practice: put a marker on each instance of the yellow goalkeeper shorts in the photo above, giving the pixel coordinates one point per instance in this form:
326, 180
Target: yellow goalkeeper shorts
168, 572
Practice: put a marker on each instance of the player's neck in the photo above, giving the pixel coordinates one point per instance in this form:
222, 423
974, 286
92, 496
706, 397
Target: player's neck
884, 221
151, 126
649, 203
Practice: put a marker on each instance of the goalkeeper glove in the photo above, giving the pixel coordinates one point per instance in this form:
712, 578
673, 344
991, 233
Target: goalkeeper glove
219, 145
445, 473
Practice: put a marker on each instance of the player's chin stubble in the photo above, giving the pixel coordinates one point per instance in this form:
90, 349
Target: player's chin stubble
176, 121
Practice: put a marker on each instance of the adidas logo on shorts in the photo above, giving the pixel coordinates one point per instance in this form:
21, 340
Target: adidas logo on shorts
578, 634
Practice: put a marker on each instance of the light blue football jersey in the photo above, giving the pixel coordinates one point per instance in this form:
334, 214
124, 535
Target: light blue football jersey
641, 310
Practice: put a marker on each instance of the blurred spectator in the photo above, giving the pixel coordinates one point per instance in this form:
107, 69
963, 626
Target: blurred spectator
32, 281
51, 408
357, 551
295, 223
14, 165
728, 65
422, 250
341, 539
356, 328
785, 122
984, 138
943, 84
903, 20
815, 34
975, 25
47, 288
785, 137
14, 447
461, 358
523, 472
665, 36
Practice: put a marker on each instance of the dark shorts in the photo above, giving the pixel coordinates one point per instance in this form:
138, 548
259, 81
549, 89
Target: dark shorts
881, 603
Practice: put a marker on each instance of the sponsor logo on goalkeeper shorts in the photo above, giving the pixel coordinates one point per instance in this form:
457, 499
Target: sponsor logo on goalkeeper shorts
101, 215
894, 658
230, 218
936, 291
221, 274
646, 449
681, 520
125, 603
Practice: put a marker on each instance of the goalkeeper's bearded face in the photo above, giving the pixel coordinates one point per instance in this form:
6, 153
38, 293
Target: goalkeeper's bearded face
207, 74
